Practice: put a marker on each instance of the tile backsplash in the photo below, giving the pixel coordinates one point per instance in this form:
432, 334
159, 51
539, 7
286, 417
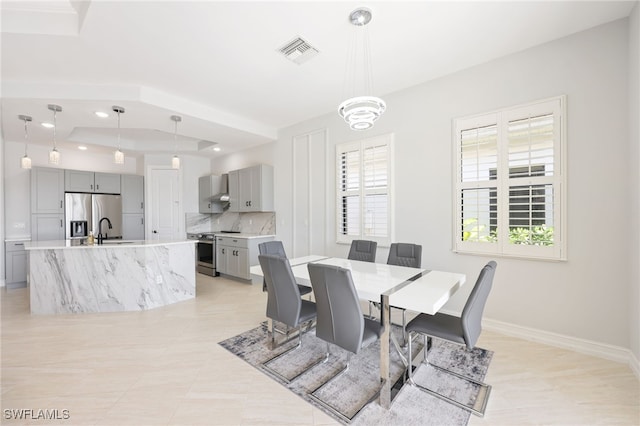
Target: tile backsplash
262, 223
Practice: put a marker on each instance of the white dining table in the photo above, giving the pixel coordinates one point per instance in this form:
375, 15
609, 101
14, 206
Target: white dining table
414, 289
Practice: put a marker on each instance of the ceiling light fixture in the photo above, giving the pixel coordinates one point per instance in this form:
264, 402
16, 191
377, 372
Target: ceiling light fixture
82, 147
25, 162
54, 155
175, 161
360, 111
47, 125
217, 148
101, 114
118, 156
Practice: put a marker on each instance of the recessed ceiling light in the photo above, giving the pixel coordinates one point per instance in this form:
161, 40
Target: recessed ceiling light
101, 114
82, 148
47, 125
216, 148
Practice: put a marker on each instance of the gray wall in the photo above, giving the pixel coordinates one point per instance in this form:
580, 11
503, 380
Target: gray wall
586, 297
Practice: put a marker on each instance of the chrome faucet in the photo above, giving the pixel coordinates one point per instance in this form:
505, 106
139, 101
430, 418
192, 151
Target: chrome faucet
100, 237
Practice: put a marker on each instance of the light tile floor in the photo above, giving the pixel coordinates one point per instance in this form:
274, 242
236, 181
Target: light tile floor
165, 366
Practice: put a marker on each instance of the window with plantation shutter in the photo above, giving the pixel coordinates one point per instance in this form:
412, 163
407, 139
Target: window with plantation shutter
363, 192
510, 182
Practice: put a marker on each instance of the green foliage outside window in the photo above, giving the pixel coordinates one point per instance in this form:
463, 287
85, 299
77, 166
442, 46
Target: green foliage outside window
540, 235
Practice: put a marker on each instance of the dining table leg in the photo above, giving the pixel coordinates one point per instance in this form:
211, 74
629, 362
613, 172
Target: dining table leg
385, 320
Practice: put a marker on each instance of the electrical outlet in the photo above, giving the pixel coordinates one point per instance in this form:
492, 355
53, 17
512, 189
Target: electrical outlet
250, 222
158, 279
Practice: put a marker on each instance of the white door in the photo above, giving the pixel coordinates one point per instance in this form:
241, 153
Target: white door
166, 206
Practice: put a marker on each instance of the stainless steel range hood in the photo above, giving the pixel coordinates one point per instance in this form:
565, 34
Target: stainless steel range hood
223, 195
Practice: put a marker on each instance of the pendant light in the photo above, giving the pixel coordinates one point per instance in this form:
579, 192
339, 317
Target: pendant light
54, 155
25, 162
175, 161
361, 110
118, 156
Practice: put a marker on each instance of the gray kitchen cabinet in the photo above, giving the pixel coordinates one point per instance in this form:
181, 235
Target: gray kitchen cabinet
47, 227
132, 226
132, 191
107, 183
236, 255
234, 191
83, 181
252, 189
208, 186
47, 191
47, 204
16, 264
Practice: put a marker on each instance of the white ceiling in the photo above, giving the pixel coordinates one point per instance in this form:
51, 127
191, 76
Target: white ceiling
217, 64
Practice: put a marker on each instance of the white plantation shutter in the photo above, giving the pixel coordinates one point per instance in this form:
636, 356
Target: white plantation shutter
363, 194
509, 182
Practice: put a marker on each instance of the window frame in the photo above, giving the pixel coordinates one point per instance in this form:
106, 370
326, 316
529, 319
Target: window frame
504, 183
361, 145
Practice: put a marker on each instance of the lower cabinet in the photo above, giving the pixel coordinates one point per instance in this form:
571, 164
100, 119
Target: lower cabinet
236, 255
16, 264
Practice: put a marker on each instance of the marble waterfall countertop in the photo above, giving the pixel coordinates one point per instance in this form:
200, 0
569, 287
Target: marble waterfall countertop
242, 235
113, 277
68, 244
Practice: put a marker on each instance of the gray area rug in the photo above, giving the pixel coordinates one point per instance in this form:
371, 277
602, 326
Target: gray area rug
361, 382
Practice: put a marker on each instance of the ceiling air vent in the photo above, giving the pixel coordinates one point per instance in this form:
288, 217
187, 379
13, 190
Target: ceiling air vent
298, 50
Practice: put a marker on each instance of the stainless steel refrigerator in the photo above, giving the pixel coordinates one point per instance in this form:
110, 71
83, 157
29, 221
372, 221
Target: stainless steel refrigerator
86, 213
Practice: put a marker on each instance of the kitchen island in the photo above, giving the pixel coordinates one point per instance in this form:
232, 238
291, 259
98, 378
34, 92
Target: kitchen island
112, 277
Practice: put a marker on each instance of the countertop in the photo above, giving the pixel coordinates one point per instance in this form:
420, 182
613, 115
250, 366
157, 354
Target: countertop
66, 244
245, 236
12, 239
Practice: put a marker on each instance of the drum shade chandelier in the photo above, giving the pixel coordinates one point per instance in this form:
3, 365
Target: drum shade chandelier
25, 162
360, 111
118, 156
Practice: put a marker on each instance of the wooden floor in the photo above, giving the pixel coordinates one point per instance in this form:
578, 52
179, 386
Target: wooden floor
165, 367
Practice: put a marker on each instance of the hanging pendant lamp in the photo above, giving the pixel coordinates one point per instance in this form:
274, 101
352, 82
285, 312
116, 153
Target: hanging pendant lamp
118, 156
362, 110
25, 162
175, 161
54, 155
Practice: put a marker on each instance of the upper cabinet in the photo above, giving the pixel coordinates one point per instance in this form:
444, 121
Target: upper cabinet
132, 190
208, 186
251, 189
47, 191
81, 181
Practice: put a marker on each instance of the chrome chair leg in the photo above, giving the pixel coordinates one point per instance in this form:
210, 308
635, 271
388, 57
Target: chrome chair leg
479, 406
288, 380
331, 408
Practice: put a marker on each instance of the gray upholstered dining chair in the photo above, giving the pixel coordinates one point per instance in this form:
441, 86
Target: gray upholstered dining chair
363, 250
463, 330
403, 254
276, 247
339, 319
284, 304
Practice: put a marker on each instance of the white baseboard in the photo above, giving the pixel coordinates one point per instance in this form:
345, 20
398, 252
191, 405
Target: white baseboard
602, 350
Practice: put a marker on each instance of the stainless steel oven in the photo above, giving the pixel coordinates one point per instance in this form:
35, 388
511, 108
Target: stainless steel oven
205, 252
